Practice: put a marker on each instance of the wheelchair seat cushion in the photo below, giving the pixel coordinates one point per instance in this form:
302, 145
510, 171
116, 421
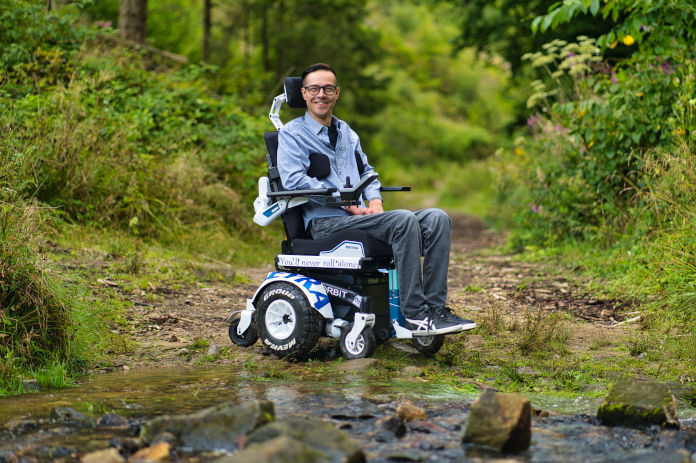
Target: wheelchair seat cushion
313, 247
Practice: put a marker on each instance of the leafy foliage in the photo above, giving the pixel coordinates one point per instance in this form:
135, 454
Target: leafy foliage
35, 46
608, 156
585, 164
503, 27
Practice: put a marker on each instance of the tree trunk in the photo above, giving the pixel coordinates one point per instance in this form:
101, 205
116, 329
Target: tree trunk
207, 5
264, 38
132, 19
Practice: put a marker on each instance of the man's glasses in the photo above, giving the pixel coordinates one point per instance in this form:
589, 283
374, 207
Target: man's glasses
313, 90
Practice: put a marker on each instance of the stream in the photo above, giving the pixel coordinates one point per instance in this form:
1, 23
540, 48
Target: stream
565, 431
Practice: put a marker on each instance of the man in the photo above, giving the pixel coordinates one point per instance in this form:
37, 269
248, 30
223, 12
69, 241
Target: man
411, 234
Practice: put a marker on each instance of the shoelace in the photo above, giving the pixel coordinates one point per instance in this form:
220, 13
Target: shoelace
442, 312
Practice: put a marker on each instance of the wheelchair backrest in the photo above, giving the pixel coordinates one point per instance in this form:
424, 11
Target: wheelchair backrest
292, 218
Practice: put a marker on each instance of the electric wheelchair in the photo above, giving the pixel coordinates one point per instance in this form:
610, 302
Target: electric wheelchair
344, 287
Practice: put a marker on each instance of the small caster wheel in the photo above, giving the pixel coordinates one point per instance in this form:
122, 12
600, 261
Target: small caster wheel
246, 339
363, 347
428, 345
384, 334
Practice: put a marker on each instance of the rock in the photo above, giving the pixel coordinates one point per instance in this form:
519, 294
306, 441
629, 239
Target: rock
316, 434
218, 427
66, 414
633, 402
156, 452
112, 420
673, 456
356, 365
125, 445
412, 371
165, 436
213, 349
103, 456
30, 385
392, 423
673, 439
281, 449
408, 411
501, 421
427, 427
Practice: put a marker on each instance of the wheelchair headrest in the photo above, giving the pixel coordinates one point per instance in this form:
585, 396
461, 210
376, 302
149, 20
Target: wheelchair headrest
293, 92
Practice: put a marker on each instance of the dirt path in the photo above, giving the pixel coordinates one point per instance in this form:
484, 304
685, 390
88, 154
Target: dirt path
178, 326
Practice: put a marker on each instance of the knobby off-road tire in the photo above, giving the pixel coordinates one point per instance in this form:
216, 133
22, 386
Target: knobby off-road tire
364, 346
246, 339
288, 325
428, 345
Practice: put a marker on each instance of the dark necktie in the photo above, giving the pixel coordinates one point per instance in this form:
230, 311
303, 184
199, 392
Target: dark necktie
333, 135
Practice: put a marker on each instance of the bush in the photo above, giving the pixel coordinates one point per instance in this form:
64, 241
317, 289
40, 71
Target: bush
139, 150
34, 319
583, 168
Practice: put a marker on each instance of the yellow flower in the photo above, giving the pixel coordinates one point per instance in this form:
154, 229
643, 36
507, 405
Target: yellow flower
614, 44
641, 93
519, 151
590, 144
628, 40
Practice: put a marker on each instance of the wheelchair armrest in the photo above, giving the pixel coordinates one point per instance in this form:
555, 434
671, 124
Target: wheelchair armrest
395, 188
296, 193
352, 194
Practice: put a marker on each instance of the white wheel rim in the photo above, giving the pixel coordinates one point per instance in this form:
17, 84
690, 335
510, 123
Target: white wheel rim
357, 347
425, 340
280, 319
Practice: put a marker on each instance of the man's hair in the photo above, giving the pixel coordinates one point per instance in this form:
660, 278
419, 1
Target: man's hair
318, 67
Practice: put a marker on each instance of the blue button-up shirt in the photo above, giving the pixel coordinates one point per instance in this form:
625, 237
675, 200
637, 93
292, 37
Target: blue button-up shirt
305, 135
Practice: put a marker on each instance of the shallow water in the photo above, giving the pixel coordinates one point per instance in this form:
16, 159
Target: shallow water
352, 402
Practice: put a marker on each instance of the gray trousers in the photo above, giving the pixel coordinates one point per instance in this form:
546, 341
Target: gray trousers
411, 235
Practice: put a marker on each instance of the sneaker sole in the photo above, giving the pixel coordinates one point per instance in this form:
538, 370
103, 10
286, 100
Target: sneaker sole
447, 330
468, 326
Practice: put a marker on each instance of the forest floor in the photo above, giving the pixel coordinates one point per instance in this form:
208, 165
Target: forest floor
538, 327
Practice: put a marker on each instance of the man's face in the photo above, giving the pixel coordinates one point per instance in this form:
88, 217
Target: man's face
321, 105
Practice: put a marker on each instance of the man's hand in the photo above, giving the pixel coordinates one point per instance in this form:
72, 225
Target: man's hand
375, 207
356, 210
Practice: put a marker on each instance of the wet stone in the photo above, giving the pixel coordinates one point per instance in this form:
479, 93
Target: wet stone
500, 421
408, 411
112, 420
103, 456
278, 450
125, 445
393, 424
66, 414
165, 436
156, 452
214, 428
675, 439
638, 403
667, 456
316, 434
